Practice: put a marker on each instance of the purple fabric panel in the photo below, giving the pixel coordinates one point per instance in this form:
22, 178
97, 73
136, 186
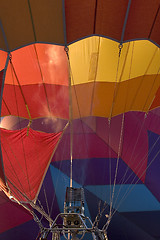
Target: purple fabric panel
135, 143
153, 172
28, 230
153, 121
98, 171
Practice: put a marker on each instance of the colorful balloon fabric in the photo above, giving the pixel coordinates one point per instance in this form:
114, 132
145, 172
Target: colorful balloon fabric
80, 82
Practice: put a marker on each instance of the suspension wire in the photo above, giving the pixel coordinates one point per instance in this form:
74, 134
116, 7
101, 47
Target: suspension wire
34, 207
4, 186
33, 26
42, 184
56, 184
156, 75
140, 84
13, 170
137, 140
100, 213
32, 204
95, 76
46, 200
34, 32
6, 106
121, 131
70, 117
54, 150
113, 102
45, 90
109, 122
127, 192
14, 74
123, 178
142, 161
79, 112
123, 116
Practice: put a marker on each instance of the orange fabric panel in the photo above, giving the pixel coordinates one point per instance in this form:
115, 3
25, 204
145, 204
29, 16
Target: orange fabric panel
40, 63
110, 99
82, 100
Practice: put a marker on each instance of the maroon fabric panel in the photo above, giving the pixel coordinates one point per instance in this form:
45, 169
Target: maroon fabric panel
140, 19
80, 17
107, 18
110, 18
155, 36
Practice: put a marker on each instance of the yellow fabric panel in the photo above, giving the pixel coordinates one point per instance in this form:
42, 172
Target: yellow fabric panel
110, 99
81, 54
97, 59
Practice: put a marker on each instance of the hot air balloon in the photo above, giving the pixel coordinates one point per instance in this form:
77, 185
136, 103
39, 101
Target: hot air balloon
80, 119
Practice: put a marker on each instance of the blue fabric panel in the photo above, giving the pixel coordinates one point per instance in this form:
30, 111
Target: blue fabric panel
147, 221
138, 197
120, 228
60, 182
47, 197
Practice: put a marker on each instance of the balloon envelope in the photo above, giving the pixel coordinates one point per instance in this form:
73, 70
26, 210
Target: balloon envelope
96, 64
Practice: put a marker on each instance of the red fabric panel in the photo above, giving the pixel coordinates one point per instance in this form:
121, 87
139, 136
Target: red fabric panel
36, 98
26, 158
140, 19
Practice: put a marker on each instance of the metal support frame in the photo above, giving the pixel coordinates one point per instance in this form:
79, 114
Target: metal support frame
85, 226
72, 223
